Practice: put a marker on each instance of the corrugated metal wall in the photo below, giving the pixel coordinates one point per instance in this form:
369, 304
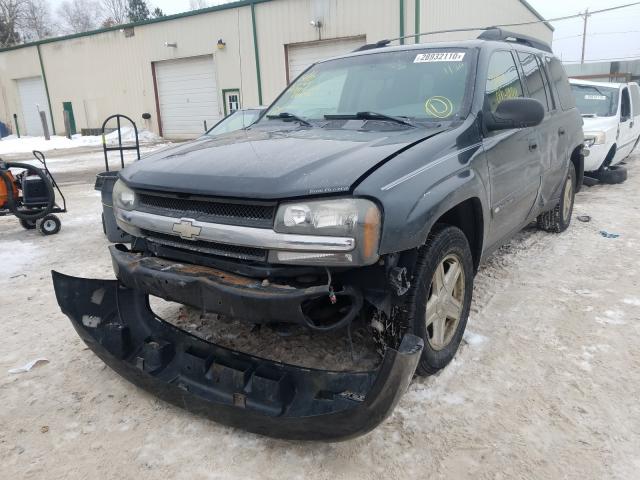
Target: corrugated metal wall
111, 72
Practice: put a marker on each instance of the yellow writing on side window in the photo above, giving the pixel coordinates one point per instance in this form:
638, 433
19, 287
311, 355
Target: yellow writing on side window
507, 92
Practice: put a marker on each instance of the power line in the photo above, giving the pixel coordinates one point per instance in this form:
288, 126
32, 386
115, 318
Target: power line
612, 59
533, 22
596, 34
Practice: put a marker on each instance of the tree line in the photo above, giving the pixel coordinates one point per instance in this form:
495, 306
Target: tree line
24, 21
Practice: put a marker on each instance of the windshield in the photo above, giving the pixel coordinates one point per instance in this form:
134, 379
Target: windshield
237, 120
426, 84
595, 100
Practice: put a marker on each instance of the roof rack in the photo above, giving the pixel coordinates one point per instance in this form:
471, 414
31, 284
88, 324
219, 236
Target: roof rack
371, 46
488, 33
500, 35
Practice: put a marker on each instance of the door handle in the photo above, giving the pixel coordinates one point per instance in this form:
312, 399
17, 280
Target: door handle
631, 124
533, 147
561, 131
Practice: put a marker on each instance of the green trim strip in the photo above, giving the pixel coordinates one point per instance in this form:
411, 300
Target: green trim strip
217, 8
416, 38
256, 52
46, 89
401, 22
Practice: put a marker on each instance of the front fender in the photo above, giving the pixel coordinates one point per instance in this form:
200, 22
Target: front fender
412, 206
446, 195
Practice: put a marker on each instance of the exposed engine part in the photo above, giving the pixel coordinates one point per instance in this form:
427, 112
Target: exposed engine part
399, 281
387, 330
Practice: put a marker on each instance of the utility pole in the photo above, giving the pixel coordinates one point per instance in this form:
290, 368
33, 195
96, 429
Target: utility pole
585, 16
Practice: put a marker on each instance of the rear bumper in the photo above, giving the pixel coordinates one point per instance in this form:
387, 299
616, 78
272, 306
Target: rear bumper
230, 387
217, 291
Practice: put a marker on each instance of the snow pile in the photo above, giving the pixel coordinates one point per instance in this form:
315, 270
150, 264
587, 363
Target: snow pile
15, 256
13, 144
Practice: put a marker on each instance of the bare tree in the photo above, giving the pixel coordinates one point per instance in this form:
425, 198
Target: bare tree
11, 14
36, 22
198, 4
115, 11
78, 16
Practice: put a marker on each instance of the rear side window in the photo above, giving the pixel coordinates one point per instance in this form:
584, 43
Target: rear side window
503, 81
559, 80
533, 78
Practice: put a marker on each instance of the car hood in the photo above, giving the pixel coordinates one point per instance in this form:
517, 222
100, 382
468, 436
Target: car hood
271, 163
595, 124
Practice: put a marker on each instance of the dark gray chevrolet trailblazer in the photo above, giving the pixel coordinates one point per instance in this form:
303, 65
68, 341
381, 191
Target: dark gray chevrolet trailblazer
372, 187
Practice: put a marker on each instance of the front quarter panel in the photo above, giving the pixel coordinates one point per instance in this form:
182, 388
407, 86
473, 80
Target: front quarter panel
420, 184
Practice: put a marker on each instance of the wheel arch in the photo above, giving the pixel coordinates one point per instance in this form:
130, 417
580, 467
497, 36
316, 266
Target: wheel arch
577, 158
468, 217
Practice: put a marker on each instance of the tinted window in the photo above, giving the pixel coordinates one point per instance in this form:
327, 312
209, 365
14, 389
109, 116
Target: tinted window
625, 105
503, 81
596, 100
559, 80
635, 98
533, 78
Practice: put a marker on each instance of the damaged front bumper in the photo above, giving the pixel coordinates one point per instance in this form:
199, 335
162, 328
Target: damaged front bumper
232, 388
217, 291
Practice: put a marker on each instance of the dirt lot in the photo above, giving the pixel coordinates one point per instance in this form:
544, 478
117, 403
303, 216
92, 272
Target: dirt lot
545, 385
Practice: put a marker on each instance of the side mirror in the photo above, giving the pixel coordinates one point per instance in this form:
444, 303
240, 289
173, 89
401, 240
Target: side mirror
515, 113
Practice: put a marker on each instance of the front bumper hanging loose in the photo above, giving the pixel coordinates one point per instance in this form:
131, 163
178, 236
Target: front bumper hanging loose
230, 387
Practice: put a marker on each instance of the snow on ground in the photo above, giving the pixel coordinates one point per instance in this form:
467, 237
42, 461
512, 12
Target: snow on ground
13, 144
544, 386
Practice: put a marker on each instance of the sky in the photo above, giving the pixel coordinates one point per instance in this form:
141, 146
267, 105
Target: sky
611, 35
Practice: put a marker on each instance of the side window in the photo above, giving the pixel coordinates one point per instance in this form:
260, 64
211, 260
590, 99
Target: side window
533, 78
560, 82
625, 105
503, 81
547, 85
635, 99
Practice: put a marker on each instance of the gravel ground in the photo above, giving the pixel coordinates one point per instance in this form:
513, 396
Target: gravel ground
545, 385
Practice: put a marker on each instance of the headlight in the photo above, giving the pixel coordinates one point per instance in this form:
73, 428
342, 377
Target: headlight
123, 196
356, 218
595, 138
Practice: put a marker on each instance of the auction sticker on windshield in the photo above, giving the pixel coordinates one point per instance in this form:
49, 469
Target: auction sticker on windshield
439, 57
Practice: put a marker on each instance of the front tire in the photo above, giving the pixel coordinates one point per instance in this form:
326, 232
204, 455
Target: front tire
48, 225
440, 297
559, 219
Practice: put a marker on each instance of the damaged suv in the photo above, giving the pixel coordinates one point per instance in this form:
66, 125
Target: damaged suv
372, 187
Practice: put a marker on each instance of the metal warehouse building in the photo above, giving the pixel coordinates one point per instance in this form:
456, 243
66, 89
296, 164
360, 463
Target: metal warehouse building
197, 66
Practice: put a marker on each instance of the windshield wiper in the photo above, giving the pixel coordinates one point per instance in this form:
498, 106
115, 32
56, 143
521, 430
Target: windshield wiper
290, 116
370, 116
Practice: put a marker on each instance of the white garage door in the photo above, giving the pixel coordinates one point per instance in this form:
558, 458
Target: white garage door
33, 98
301, 55
187, 95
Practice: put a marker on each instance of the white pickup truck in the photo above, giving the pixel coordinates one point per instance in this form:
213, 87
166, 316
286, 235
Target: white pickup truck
611, 113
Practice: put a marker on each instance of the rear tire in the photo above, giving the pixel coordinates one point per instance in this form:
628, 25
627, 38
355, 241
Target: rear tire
28, 224
558, 219
611, 175
439, 300
48, 225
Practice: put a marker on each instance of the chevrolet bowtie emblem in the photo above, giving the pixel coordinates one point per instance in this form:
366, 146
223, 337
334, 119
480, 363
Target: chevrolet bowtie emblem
186, 229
